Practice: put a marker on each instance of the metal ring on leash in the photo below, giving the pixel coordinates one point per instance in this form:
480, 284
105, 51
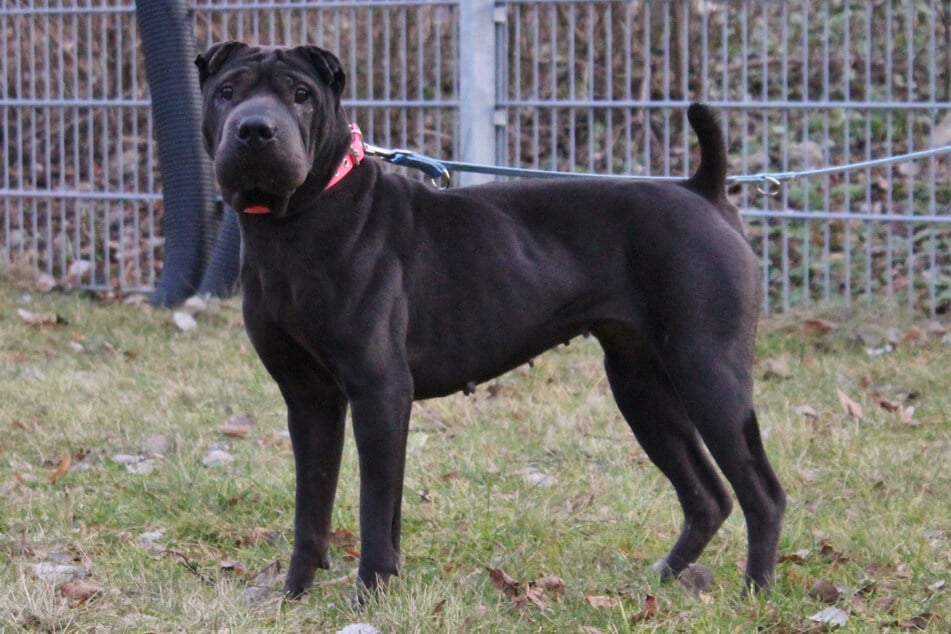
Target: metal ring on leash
769, 186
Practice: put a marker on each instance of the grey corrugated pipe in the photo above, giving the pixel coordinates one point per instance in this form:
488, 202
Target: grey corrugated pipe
166, 31
221, 275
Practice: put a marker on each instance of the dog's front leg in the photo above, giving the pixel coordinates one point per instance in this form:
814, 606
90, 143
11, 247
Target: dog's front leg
316, 413
380, 426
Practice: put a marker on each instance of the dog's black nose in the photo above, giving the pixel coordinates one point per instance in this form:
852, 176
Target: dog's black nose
256, 130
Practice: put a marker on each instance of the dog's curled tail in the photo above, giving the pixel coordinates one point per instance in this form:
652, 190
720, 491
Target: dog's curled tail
710, 178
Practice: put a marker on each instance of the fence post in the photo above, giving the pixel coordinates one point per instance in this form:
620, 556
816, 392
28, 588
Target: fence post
477, 80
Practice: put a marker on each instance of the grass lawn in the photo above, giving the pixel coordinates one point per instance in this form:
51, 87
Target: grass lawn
110, 520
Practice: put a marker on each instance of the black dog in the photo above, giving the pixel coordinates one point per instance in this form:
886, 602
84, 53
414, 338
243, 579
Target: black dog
369, 289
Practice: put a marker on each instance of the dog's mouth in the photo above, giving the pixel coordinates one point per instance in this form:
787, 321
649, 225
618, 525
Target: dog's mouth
259, 202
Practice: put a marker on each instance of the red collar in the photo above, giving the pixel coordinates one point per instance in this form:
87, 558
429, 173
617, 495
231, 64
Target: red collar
354, 157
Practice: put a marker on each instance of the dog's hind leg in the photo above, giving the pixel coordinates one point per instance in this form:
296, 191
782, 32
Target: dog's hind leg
713, 377
658, 419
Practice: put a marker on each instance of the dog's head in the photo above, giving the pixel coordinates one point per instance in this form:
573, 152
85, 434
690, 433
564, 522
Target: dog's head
271, 120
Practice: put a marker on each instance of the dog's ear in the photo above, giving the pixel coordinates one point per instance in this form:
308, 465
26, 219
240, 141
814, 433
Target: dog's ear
328, 67
211, 61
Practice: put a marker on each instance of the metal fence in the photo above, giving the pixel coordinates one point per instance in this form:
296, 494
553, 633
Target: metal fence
571, 85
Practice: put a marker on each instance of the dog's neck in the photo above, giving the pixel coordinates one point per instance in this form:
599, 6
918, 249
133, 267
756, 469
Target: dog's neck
354, 156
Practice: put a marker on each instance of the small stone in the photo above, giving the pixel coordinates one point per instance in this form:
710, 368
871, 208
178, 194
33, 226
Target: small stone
58, 573
359, 628
217, 458
149, 538
156, 445
183, 321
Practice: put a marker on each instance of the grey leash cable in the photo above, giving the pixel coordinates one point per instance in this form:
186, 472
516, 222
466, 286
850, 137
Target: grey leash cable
768, 183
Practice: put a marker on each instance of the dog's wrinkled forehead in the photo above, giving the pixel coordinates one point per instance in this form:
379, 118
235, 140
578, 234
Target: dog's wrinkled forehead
310, 60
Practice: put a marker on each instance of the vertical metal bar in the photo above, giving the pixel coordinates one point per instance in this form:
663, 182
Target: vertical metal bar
515, 19
684, 72
889, 149
590, 89
784, 97
827, 181
572, 56
608, 93
807, 183
933, 271
61, 137
647, 22
477, 86
867, 226
119, 142
48, 139
628, 89
552, 89
536, 88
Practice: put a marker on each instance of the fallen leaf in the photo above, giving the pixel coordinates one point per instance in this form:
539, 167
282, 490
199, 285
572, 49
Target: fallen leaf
232, 565
830, 554
237, 426
648, 611
851, 407
776, 369
918, 622
824, 592
502, 582
41, 319
64, 464
258, 535
797, 557
195, 304
342, 537
77, 271
80, 591
937, 329
887, 404
808, 412
601, 601
836, 617
45, 283
696, 579
536, 477
551, 583
819, 326
906, 416
533, 596
260, 588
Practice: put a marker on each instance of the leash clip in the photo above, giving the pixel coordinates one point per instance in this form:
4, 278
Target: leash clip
438, 175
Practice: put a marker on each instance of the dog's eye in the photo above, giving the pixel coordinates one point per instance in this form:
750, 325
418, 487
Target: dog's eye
226, 93
301, 95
